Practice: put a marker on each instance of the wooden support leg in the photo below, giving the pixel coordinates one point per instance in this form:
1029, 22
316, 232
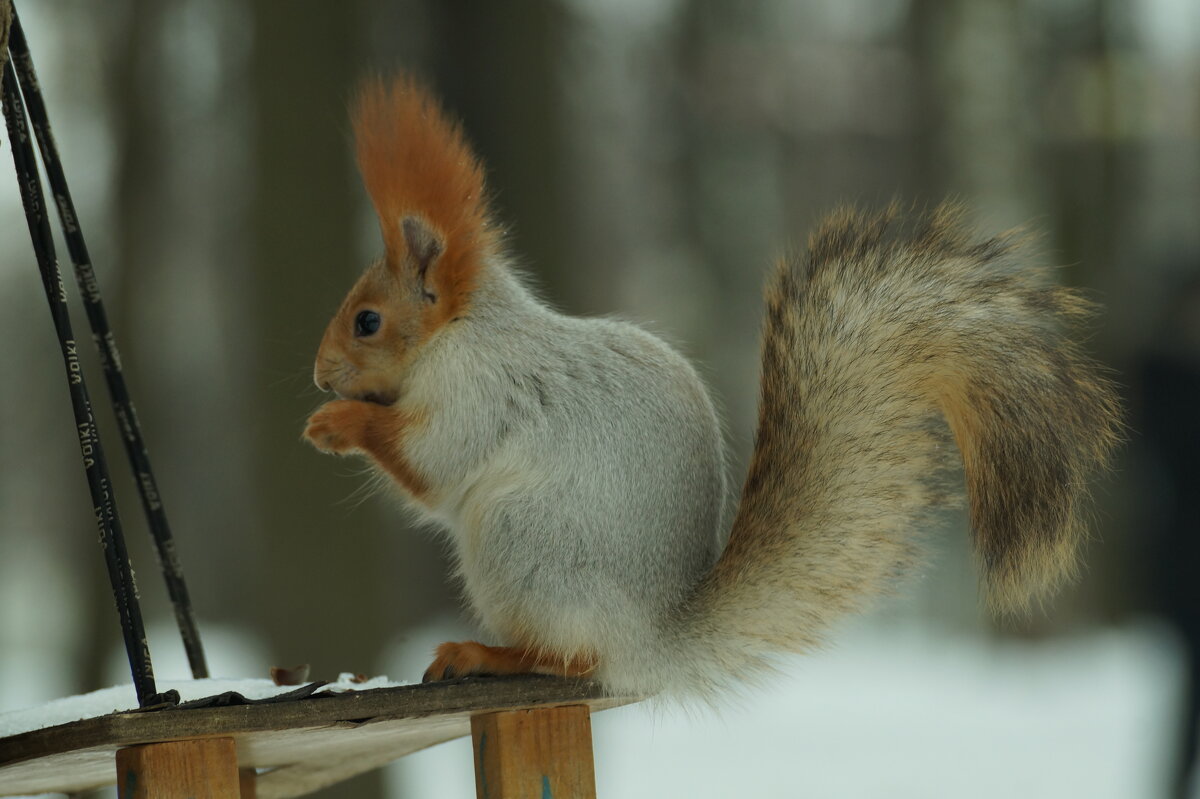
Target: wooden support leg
544, 753
200, 769
248, 781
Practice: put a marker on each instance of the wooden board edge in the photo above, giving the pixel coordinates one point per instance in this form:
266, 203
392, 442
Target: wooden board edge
467, 695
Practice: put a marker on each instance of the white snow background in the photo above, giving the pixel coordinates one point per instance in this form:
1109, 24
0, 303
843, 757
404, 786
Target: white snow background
897, 711
901, 712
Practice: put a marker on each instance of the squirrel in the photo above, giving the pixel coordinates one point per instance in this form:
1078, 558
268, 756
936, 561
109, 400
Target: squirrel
578, 465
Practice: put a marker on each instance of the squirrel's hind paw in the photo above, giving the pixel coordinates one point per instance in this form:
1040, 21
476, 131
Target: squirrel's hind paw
467, 658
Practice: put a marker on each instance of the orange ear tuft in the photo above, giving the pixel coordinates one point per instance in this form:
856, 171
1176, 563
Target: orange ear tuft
415, 161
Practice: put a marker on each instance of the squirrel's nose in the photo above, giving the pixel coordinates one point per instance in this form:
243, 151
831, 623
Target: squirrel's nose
320, 380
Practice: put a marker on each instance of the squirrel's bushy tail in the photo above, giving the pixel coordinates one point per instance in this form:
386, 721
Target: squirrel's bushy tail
868, 339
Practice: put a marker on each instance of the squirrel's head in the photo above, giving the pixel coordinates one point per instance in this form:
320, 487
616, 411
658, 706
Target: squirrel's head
392, 310
427, 188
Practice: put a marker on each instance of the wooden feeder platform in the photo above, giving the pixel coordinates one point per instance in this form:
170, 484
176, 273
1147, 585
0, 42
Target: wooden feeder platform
532, 737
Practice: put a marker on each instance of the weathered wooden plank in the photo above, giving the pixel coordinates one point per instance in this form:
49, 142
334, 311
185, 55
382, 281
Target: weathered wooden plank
205, 768
409, 701
307, 743
535, 753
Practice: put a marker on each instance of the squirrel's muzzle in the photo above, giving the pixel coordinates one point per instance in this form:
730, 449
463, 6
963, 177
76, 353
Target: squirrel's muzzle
323, 373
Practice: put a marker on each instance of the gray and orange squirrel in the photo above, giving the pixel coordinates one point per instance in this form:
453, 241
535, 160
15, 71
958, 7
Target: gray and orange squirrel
578, 465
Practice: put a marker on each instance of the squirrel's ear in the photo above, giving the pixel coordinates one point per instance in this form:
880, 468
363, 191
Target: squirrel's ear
422, 246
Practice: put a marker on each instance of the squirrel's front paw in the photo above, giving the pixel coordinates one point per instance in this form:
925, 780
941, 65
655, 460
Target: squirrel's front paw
341, 426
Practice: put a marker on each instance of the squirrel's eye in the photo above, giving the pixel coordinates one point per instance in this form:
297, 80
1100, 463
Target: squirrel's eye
366, 324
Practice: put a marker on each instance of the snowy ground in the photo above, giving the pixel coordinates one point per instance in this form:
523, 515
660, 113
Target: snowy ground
890, 711
897, 714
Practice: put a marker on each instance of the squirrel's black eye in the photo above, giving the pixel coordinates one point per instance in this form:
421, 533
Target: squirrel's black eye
366, 324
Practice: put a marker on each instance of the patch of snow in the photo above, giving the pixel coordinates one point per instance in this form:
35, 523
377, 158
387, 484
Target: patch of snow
122, 697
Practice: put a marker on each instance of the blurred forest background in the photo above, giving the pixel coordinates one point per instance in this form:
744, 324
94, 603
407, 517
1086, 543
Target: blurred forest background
650, 157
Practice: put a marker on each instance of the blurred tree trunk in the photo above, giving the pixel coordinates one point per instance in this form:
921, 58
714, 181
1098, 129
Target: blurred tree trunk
1087, 170
730, 167
320, 600
497, 67
1094, 180
139, 174
924, 36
